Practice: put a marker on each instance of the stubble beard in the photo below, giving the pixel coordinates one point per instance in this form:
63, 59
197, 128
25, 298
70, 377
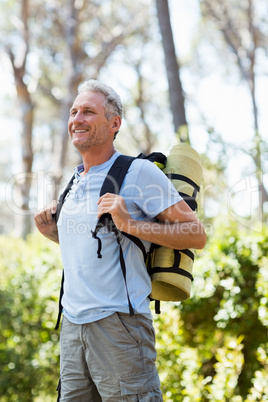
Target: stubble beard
94, 138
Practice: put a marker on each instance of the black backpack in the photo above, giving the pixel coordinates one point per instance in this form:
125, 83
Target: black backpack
112, 184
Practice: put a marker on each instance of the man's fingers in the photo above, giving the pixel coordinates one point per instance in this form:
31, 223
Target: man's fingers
38, 218
53, 206
50, 211
113, 204
106, 203
45, 216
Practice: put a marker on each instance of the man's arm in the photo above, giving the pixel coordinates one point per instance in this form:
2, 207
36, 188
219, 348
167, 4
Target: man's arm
45, 222
177, 226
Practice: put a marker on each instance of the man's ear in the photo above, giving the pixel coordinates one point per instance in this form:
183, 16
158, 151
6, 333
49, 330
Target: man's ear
116, 123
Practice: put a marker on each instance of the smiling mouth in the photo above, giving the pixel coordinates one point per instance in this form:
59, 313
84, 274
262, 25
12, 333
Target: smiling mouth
79, 131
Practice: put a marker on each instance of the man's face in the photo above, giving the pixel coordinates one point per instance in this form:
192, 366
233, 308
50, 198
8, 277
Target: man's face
88, 126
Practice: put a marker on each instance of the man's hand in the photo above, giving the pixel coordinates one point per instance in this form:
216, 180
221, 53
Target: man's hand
116, 206
45, 222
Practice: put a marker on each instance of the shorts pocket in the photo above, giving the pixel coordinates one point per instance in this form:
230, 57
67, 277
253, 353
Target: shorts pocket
129, 326
140, 384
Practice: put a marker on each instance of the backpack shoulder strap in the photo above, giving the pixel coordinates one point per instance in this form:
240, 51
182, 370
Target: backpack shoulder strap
62, 198
115, 177
56, 215
112, 184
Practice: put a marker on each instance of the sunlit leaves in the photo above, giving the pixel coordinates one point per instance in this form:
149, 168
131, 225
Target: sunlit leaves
213, 347
29, 351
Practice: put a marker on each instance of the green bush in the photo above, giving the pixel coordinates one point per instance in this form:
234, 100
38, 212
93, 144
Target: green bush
213, 347
29, 350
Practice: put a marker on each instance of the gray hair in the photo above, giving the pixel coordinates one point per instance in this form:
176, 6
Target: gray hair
112, 104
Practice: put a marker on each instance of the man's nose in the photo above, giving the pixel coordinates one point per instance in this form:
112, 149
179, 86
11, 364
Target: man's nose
79, 116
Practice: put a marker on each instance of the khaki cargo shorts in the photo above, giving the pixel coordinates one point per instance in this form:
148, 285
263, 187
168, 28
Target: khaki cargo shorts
109, 360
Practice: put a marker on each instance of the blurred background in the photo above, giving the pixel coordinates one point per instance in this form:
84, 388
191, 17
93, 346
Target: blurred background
194, 72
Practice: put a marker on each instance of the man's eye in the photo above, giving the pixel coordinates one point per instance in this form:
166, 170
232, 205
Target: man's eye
73, 113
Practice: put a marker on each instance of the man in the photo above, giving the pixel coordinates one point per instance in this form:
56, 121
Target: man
106, 354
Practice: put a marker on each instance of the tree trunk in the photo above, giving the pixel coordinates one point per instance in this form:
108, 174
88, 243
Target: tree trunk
27, 115
257, 157
27, 157
176, 96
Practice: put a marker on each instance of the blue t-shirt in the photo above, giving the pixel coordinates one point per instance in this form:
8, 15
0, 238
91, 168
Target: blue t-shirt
94, 288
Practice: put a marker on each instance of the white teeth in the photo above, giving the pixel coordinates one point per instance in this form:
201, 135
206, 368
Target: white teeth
80, 131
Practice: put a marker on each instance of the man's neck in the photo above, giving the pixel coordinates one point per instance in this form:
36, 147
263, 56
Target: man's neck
95, 158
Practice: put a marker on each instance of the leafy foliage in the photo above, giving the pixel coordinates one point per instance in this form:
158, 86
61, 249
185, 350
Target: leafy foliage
214, 345
29, 350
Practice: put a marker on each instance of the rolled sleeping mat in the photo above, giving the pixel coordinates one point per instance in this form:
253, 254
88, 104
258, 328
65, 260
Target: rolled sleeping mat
184, 169
171, 270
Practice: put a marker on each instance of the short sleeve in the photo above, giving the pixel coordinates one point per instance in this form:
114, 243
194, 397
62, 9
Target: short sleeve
148, 189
